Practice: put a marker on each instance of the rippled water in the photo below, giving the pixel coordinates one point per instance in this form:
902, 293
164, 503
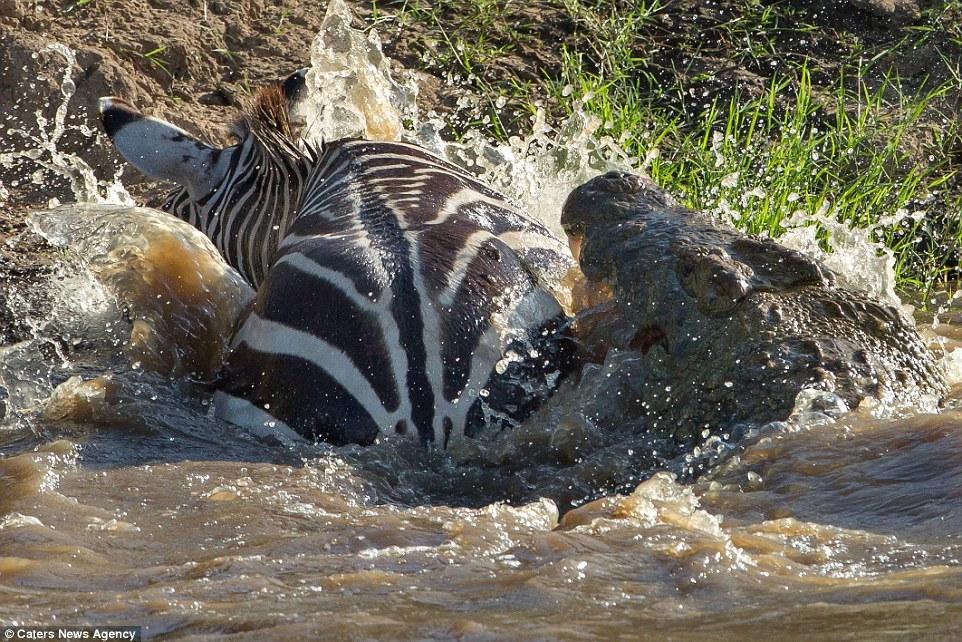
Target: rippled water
123, 501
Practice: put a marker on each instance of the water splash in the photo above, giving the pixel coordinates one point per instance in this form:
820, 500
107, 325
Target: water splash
859, 262
70, 310
40, 148
864, 264
662, 502
69, 313
182, 298
540, 169
353, 92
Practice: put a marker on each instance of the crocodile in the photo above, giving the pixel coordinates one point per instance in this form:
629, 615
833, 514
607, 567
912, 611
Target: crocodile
729, 328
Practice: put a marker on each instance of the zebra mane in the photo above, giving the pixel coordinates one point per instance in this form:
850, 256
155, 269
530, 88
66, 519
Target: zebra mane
270, 111
266, 117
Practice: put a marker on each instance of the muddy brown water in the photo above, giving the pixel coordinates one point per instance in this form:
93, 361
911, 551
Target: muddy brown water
123, 502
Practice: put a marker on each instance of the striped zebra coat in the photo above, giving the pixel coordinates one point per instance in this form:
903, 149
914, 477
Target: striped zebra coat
395, 293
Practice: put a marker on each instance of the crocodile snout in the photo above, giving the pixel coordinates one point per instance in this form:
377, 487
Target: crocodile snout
601, 199
616, 182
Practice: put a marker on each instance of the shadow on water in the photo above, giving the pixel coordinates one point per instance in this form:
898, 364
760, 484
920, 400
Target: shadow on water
135, 419
117, 417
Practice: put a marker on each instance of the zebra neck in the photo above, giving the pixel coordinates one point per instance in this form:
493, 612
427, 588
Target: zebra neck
252, 208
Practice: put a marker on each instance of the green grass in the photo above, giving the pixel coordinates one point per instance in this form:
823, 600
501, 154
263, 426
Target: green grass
757, 162
824, 122
792, 151
154, 58
469, 39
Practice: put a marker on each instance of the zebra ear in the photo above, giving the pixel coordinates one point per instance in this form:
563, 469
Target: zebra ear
161, 150
294, 84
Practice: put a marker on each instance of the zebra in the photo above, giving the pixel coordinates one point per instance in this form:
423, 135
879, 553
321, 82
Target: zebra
395, 292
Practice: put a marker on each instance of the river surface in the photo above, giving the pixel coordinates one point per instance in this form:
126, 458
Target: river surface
122, 501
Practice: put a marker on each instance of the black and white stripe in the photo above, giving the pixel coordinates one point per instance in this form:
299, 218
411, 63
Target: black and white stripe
395, 293
245, 214
391, 301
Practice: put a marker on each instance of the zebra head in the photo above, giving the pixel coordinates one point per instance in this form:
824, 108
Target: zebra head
243, 197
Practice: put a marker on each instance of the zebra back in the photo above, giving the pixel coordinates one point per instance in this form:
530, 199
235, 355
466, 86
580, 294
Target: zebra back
395, 293
399, 297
